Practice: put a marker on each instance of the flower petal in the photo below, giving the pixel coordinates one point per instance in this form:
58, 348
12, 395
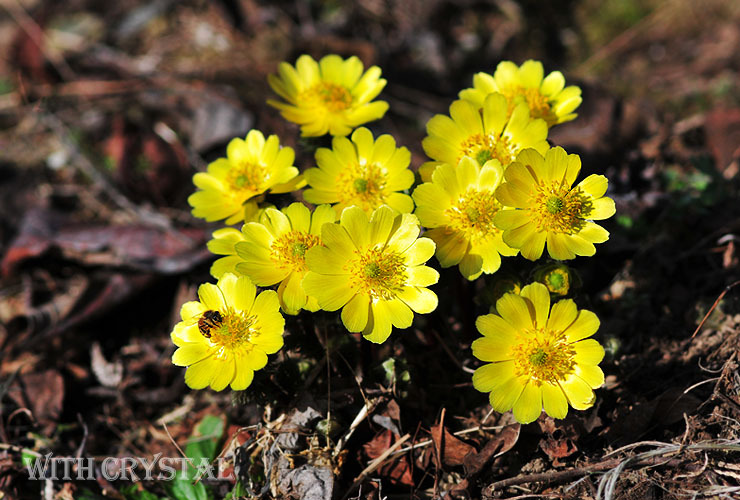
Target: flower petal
355, 313
585, 325
420, 300
492, 375
503, 397
514, 310
529, 405
492, 348
538, 294
588, 352
378, 327
198, 376
554, 400
562, 315
579, 393
331, 291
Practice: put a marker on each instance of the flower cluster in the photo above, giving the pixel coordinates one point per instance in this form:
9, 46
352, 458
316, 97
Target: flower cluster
493, 188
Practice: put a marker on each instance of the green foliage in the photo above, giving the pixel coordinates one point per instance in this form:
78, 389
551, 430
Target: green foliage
132, 492
203, 444
204, 441
397, 375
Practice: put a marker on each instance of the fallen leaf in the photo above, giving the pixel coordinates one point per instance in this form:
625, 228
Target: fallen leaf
494, 447
398, 469
307, 483
560, 439
42, 393
722, 130
453, 450
135, 246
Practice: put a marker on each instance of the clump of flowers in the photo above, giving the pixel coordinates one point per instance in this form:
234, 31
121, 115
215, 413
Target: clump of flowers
363, 172
493, 187
330, 96
231, 186
490, 133
548, 210
226, 335
546, 96
274, 249
538, 356
373, 269
458, 208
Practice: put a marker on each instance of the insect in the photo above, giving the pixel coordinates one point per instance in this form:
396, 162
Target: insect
209, 319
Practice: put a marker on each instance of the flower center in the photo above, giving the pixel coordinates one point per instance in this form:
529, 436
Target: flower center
362, 185
559, 210
486, 147
557, 281
328, 95
246, 179
539, 105
235, 332
543, 356
378, 272
554, 205
473, 214
289, 250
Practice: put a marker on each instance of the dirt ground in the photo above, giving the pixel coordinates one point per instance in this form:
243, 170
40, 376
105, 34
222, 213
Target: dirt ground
107, 109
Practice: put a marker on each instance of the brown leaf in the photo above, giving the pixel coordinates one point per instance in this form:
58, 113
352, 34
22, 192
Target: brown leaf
143, 248
496, 446
42, 393
722, 130
560, 438
452, 449
398, 470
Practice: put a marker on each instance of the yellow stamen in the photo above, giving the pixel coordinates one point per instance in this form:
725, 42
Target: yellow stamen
539, 105
473, 214
557, 209
543, 356
488, 147
246, 179
378, 272
289, 250
334, 97
236, 332
362, 185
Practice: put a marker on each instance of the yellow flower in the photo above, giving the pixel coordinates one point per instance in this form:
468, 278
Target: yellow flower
549, 210
548, 98
331, 96
361, 172
490, 135
458, 207
538, 357
226, 335
374, 270
251, 167
273, 251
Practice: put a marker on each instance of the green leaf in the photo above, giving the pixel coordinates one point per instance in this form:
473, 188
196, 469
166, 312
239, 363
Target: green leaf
203, 443
184, 489
201, 446
132, 492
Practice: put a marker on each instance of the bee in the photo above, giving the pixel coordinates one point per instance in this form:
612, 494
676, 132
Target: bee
209, 319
